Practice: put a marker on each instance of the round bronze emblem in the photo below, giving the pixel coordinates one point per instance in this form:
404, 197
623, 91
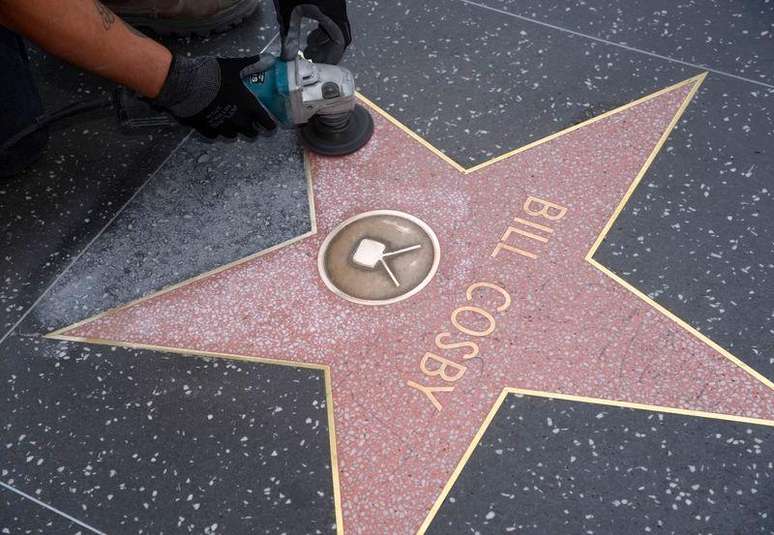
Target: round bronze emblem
379, 257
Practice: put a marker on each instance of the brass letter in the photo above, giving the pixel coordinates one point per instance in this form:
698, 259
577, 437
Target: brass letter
472, 345
531, 235
534, 225
544, 210
441, 370
513, 250
428, 391
489, 330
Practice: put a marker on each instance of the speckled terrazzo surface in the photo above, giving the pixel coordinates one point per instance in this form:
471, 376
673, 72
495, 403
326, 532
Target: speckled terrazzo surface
475, 82
559, 466
733, 37
138, 442
698, 236
498, 88
240, 198
21, 515
90, 169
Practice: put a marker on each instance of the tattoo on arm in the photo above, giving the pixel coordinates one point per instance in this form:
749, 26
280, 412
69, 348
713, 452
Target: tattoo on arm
107, 16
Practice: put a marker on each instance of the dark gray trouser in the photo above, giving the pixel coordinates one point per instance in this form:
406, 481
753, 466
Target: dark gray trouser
20, 105
19, 98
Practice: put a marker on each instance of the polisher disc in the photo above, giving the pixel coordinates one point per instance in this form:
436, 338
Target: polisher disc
328, 141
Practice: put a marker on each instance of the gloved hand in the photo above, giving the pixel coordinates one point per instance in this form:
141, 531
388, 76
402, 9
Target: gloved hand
207, 93
321, 48
327, 43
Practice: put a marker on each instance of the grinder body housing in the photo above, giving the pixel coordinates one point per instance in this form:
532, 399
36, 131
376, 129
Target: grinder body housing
320, 98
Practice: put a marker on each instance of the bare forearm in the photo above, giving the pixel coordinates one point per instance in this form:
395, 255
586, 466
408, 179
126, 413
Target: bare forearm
87, 34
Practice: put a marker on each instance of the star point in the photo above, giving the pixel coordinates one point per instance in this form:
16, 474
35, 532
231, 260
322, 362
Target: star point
517, 302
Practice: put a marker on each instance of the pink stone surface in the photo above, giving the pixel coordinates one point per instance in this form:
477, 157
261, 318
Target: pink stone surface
570, 329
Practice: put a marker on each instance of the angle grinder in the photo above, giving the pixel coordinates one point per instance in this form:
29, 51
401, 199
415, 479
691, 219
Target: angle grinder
317, 98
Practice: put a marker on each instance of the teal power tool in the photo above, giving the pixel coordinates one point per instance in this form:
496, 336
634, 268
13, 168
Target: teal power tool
319, 99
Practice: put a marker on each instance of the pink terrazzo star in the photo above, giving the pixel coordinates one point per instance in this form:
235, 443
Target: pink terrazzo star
558, 323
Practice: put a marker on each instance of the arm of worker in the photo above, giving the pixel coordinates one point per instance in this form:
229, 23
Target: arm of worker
89, 35
204, 92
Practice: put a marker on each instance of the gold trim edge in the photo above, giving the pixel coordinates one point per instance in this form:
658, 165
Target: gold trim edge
567, 397
327, 377
311, 232
697, 80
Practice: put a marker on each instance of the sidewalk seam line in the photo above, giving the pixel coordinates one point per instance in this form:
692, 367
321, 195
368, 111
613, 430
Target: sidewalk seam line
613, 43
106, 226
91, 242
50, 508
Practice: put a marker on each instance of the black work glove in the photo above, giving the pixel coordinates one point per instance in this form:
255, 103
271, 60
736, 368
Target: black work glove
207, 93
322, 48
328, 42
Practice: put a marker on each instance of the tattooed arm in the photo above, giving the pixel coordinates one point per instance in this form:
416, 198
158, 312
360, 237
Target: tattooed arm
89, 35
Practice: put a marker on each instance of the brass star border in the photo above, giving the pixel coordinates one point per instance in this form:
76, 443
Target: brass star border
695, 81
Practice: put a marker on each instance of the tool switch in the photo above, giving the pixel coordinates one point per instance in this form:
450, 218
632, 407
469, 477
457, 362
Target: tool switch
330, 90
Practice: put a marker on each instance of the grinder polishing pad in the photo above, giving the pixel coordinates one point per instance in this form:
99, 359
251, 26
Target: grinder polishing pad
338, 135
